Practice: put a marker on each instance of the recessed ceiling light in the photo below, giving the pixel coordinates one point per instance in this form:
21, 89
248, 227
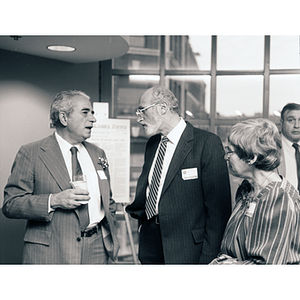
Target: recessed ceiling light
61, 48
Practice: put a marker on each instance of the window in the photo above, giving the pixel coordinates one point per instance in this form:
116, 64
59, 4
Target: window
188, 52
143, 54
239, 96
283, 89
284, 52
208, 72
240, 52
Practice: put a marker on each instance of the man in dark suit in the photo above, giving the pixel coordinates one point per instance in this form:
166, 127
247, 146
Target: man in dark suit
192, 203
65, 225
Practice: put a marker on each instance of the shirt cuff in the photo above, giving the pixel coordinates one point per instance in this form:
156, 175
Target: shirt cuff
49, 207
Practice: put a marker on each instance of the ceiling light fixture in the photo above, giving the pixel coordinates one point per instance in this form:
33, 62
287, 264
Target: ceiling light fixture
60, 48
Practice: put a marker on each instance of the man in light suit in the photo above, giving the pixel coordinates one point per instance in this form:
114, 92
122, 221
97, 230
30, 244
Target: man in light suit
290, 134
193, 201
40, 191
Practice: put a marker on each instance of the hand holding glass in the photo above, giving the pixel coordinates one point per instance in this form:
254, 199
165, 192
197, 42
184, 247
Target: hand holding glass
80, 182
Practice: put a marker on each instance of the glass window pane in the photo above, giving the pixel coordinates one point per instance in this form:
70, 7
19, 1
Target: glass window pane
127, 91
240, 52
239, 96
283, 89
188, 52
143, 54
284, 52
193, 93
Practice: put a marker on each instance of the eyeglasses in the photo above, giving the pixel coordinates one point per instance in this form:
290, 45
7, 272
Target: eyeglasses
139, 112
228, 152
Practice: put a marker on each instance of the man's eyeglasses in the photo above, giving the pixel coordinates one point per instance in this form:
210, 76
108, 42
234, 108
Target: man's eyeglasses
140, 112
228, 152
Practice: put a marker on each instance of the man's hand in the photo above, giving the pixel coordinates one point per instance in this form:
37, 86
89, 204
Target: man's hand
69, 199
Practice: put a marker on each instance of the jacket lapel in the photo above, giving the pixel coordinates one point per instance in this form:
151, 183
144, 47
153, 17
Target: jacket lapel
52, 157
182, 150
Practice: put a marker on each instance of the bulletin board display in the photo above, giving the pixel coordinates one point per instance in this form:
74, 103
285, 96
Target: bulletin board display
113, 136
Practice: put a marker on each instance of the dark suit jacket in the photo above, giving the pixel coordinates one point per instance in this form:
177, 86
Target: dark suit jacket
192, 213
51, 238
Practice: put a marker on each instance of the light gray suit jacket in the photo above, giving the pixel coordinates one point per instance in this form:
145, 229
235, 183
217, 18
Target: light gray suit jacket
51, 238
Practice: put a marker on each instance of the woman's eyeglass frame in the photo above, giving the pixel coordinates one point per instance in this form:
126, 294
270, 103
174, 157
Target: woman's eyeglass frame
228, 152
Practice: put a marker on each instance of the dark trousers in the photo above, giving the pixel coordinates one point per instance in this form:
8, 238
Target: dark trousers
150, 245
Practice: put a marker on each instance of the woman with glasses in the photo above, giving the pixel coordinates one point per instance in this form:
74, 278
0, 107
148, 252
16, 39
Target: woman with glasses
264, 226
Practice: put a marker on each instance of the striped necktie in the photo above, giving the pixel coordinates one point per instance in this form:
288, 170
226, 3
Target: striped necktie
153, 190
297, 156
83, 212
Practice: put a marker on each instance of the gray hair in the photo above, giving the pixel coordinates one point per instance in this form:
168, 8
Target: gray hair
161, 93
63, 103
258, 137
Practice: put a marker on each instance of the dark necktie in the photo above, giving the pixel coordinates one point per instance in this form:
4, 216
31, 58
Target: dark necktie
297, 155
83, 212
153, 190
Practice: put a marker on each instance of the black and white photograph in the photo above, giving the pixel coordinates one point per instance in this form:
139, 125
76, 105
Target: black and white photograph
151, 147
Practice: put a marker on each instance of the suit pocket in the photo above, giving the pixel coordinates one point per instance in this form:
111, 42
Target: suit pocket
38, 237
198, 235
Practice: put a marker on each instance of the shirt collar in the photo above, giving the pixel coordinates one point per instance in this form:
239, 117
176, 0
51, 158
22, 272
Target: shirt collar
64, 145
287, 142
175, 134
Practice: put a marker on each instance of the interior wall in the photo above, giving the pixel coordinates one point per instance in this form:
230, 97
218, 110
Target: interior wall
27, 87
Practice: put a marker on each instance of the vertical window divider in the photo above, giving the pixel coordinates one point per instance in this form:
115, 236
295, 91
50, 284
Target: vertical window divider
162, 61
213, 84
266, 86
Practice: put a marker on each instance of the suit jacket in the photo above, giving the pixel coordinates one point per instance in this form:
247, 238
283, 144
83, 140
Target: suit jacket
192, 213
51, 238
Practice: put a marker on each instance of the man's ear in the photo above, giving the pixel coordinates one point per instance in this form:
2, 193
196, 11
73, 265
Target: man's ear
163, 108
63, 118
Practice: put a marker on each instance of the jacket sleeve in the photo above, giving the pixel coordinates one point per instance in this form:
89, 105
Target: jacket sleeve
20, 202
112, 203
137, 208
217, 197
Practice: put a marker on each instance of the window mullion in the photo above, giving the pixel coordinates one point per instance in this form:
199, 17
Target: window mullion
213, 85
266, 86
162, 62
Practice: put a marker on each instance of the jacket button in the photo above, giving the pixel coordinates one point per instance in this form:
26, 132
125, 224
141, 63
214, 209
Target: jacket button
78, 239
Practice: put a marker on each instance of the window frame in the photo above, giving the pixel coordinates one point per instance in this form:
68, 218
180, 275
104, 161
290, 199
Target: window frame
107, 72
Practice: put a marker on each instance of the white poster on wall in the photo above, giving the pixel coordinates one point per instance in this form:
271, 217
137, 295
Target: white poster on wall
113, 136
101, 110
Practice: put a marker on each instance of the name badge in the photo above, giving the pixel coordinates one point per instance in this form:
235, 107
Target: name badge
101, 174
188, 174
249, 212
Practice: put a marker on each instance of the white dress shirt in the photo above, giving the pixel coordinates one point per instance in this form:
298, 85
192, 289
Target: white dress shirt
173, 137
96, 214
289, 161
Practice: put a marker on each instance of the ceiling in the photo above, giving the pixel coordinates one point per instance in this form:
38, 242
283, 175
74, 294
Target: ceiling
88, 48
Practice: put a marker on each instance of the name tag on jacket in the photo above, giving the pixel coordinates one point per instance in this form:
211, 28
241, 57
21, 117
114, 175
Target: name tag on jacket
188, 174
101, 174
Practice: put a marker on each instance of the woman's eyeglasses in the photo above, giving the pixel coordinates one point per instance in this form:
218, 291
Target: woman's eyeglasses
228, 152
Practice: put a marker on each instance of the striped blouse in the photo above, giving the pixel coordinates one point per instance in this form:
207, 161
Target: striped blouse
265, 230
